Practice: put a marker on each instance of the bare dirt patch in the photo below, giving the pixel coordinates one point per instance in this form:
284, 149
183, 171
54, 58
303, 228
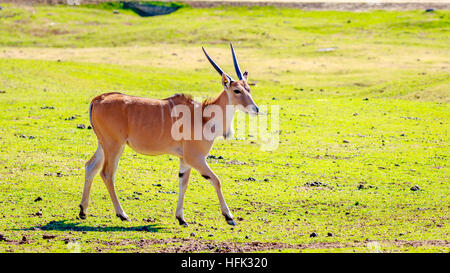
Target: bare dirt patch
185, 245
326, 5
349, 5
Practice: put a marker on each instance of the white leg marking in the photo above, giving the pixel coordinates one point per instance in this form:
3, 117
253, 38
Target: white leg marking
183, 181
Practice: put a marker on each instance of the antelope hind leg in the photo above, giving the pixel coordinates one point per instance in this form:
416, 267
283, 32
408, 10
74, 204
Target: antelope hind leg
108, 172
91, 169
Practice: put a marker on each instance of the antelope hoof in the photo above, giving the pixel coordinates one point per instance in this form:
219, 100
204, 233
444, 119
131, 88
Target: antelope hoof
123, 217
182, 222
230, 220
82, 215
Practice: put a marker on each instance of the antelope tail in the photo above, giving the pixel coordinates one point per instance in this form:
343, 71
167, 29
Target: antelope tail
90, 115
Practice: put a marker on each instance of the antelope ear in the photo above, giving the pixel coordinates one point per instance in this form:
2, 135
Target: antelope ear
226, 81
245, 75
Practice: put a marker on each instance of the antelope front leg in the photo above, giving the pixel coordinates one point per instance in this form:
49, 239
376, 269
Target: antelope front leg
204, 169
183, 177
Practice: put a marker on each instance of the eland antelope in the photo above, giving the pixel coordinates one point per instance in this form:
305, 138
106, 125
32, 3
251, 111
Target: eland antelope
147, 126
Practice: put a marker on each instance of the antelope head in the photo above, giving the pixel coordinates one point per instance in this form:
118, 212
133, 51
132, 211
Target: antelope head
238, 91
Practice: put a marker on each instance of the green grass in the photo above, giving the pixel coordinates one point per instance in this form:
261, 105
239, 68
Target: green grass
384, 90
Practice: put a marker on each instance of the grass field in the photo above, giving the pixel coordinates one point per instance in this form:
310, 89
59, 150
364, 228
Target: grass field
360, 126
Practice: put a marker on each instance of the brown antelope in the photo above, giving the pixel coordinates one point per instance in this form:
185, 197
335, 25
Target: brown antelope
146, 125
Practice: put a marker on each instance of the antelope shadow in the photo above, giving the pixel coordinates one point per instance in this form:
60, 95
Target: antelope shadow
65, 225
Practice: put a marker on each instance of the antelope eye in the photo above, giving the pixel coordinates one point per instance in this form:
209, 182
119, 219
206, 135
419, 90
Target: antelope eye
237, 91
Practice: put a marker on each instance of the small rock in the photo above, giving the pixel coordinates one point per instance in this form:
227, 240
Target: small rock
168, 192
415, 188
38, 199
48, 236
38, 214
366, 99
360, 187
328, 49
329, 234
81, 126
315, 184
266, 180
355, 114
211, 235
3, 238
246, 236
345, 141
115, 11
412, 118
250, 179
193, 234
215, 157
313, 235
429, 10
24, 240
89, 127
